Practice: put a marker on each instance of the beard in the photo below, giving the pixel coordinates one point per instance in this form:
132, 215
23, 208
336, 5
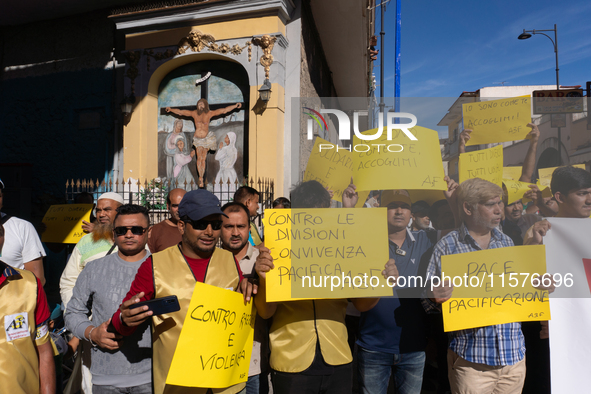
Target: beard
479, 219
197, 248
233, 248
202, 111
102, 231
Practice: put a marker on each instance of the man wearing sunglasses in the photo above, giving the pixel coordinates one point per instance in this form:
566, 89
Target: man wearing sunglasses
174, 271
116, 366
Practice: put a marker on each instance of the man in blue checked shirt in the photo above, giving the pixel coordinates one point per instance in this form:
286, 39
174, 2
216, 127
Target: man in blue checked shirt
393, 335
485, 359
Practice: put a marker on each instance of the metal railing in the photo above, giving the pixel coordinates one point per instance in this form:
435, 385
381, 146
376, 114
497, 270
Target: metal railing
152, 193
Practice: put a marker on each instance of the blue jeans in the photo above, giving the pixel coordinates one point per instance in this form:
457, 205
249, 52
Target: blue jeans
142, 389
253, 384
374, 369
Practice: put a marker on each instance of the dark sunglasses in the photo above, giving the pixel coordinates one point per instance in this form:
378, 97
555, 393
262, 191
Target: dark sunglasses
135, 230
202, 224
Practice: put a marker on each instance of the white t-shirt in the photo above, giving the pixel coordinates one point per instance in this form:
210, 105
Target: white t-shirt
21, 243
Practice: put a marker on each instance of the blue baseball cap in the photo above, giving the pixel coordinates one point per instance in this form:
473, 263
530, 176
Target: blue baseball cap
198, 204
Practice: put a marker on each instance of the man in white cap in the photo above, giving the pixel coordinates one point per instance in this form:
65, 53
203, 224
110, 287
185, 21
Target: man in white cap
92, 246
22, 246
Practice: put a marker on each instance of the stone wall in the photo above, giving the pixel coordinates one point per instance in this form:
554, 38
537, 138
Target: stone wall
315, 75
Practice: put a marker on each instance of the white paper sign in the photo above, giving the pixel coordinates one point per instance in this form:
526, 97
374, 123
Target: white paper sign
568, 251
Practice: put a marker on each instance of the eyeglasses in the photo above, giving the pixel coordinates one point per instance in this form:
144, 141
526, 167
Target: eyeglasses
135, 230
202, 224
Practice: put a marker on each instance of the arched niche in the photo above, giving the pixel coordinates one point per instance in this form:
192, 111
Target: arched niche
173, 85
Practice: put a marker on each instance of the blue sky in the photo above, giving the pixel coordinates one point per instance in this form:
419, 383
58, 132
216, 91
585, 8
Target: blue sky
453, 46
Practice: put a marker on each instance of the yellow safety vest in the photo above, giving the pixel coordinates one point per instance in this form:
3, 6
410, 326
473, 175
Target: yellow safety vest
173, 276
297, 325
19, 363
254, 233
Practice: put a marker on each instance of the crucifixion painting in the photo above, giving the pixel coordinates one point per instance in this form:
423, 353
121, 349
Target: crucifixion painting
204, 140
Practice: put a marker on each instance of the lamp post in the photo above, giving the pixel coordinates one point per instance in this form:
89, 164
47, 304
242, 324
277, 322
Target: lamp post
527, 34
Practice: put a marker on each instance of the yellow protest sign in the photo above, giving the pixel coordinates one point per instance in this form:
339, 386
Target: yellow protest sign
546, 175
513, 173
64, 223
495, 286
497, 120
362, 198
399, 163
486, 164
215, 344
326, 253
515, 190
331, 165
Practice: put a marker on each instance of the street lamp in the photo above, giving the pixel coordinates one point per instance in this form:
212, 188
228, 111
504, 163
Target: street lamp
265, 91
524, 36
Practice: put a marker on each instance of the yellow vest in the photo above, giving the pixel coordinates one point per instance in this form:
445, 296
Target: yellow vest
296, 327
173, 276
19, 363
254, 233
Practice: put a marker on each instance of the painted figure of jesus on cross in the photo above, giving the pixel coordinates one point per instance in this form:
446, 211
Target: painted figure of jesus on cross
203, 139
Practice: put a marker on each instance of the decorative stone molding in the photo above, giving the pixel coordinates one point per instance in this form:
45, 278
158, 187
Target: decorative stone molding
157, 56
132, 59
196, 41
266, 43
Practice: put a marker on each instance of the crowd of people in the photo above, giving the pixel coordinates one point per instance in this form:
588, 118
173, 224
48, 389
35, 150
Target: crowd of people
367, 345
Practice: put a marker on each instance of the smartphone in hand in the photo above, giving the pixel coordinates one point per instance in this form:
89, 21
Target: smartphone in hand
160, 306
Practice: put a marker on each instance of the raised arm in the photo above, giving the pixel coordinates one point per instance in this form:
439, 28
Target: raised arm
222, 111
464, 137
264, 264
181, 112
451, 197
350, 196
529, 163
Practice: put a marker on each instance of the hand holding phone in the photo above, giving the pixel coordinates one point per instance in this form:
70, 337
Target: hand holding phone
134, 317
160, 306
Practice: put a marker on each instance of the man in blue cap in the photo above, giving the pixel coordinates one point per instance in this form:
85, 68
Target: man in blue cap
174, 271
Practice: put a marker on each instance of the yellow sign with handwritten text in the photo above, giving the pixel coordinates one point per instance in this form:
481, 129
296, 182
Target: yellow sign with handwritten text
495, 286
326, 253
331, 165
64, 223
486, 164
215, 344
546, 175
516, 190
513, 173
497, 120
399, 163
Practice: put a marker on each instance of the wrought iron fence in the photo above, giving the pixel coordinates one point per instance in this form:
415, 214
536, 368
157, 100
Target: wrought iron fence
152, 194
